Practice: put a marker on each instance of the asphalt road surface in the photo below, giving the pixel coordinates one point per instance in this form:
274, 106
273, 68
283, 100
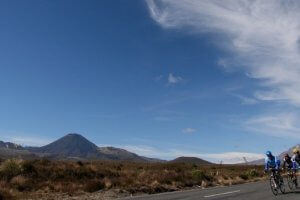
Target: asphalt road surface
251, 191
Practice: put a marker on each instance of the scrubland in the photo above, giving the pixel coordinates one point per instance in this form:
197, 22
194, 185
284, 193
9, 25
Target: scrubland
40, 179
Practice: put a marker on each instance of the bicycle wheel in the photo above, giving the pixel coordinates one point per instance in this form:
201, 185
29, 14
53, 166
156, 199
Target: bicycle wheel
273, 186
296, 181
291, 182
281, 184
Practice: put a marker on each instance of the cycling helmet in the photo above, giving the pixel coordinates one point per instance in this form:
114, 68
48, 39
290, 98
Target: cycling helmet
296, 150
268, 153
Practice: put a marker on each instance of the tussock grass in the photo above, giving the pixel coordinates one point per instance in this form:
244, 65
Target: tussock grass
18, 177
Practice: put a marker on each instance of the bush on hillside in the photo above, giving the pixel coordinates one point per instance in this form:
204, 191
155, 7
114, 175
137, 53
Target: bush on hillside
10, 168
200, 176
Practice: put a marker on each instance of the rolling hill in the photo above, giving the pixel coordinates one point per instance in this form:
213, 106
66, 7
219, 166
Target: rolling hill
74, 146
113, 153
191, 160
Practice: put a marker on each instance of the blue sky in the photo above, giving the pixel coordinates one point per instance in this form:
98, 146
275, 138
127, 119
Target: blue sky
161, 78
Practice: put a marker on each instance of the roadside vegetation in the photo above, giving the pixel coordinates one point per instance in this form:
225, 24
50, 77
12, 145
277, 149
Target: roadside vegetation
23, 179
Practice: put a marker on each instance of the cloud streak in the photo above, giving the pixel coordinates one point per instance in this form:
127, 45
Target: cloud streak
275, 125
189, 130
263, 37
174, 79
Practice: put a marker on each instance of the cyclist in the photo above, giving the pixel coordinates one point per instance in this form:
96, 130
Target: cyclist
296, 158
287, 162
271, 162
296, 161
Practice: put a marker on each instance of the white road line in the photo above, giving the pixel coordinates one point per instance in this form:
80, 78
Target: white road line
213, 195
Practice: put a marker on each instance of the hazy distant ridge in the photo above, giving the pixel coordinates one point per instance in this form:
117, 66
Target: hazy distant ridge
72, 147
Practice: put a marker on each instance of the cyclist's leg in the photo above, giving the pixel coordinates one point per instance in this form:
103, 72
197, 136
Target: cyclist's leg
277, 175
275, 178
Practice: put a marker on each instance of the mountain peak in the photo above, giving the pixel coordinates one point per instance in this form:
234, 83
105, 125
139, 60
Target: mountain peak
71, 145
74, 135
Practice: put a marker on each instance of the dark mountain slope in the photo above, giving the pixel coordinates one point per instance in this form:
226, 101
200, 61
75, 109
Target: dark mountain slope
74, 146
191, 160
71, 145
113, 153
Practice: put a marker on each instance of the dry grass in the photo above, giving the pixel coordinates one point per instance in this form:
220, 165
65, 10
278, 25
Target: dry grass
19, 177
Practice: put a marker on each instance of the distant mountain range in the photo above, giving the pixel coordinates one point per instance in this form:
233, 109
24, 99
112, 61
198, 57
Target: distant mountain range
9, 145
76, 147
8, 150
71, 147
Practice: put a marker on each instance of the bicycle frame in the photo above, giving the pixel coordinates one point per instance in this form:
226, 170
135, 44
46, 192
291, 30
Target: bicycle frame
276, 182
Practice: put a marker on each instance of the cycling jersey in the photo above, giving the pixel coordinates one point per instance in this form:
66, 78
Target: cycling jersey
272, 162
287, 162
296, 161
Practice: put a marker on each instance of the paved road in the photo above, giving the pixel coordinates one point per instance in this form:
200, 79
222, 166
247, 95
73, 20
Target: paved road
252, 191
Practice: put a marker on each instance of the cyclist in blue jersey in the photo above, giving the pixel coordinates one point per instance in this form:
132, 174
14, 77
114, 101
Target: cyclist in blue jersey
271, 162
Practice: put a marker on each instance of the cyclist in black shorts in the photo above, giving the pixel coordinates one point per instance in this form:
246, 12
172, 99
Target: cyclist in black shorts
287, 162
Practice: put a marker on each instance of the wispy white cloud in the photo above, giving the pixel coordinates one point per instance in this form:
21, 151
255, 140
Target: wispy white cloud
189, 130
174, 79
262, 36
246, 100
280, 125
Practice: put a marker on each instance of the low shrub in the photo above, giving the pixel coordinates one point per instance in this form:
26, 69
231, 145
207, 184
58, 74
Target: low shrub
10, 168
28, 168
5, 194
20, 183
244, 176
200, 176
47, 176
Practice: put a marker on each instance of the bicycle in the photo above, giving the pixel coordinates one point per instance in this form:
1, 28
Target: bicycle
276, 182
292, 179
